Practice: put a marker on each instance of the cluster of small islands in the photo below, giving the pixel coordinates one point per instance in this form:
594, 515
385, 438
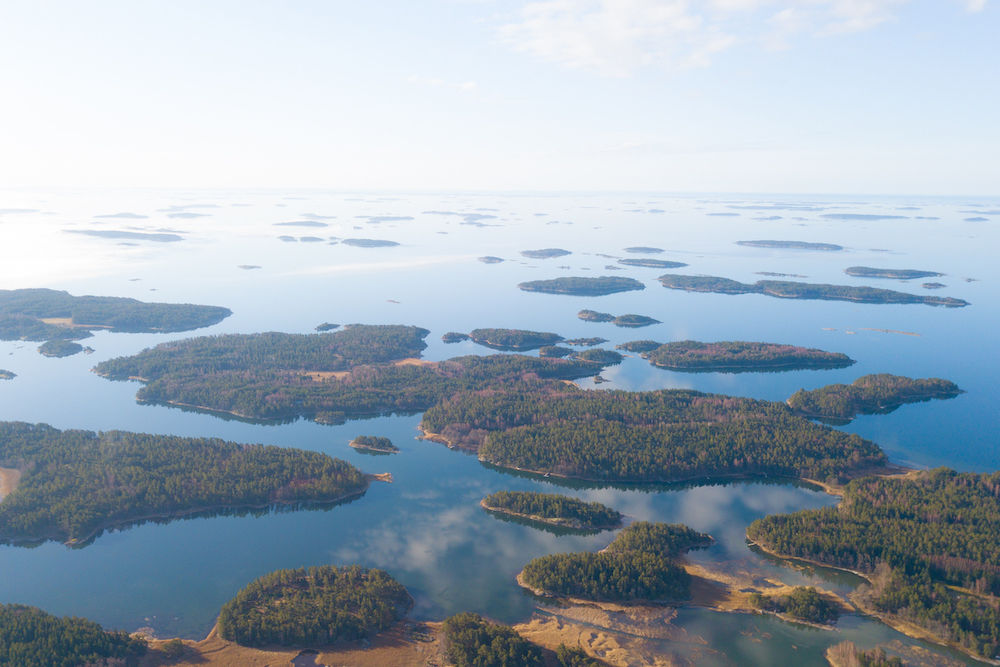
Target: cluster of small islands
925, 541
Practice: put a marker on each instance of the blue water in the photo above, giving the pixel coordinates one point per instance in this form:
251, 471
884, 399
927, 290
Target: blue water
426, 528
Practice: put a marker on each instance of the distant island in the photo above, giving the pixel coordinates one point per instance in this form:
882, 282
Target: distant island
314, 606
738, 356
585, 342
454, 337
629, 320
52, 315
650, 436
794, 290
596, 355
792, 245
369, 243
554, 510
643, 250
583, 286
7, 375
638, 346
74, 484
513, 339
327, 326
302, 223
928, 543
594, 316
638, 566
59, 347
651, 263
490, 259
556, 351
374, 443
933, 285
158, 237
897, 274
869, 394
545, 253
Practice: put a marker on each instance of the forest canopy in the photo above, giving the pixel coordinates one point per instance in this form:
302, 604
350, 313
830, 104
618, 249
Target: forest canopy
869, 394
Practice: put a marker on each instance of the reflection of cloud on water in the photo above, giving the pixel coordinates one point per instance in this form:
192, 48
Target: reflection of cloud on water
369, 267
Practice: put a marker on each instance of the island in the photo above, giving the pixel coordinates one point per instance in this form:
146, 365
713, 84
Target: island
802, 603
374, 443
585, 342
513, 339
554, 510
59, 347
633, 321
933, 285
454, 337
896, 274
670, 435
75, 484
556, 351
583, 286
643, 250
639, 346
650, 263
302, 223
869, 394
795, 290
156, 237
490, 259
7, 375
545, 253
928, 543
595, 316
370, 243
327, 326
601, 357
316, 605
358, 371
638, 566
736, 356
30, 637
792, 245
473, 641
48, 315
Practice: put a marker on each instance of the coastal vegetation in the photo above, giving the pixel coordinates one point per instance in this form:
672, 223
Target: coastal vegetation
639, 565
585, 342
557, 351
545, 253
651, 263
652, 436
454, 337
513, 339
869, 394
553, 509
596, 355
927, 542
472, 641
846, 654
76, 483
316, 605
792, 245
583, 286
639, 346
897, 274
30, 637
736, 356
804, 603
795, 290
374, 443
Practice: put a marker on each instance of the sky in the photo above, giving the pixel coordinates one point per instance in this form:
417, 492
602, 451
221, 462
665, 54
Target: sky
797, 96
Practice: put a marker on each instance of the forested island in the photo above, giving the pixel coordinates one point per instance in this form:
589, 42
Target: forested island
553, 509
557, 351
736, 356
929, 543
370, 243
454, 337
314, 606
629, 320
361, 370
803, 603
897, 274
644, 250
545, 253
795, 290
326, 326
517, 340
638, 566
30, 637
374, 443
473, 641
651, 263
792, 245
585, 342
74, 484
490, 259
596, 355
869, 394
583, 286
57, 316
651, 436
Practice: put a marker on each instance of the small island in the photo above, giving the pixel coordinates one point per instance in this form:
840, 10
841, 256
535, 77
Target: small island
59, 347
928, 543
156, 237
513, 339
802, 603
933, 285
314, 606
302, 223
628, 320
327, 326
585, 342
643, 250
896, 274
454, 337
554, 510
545, 253
640, 565
792, 245
869, 394
736, 356
374, 443
650, 263
595, 316
7, 375
75, 484
490, 259
601, 357
554, 351
370, 243
583, 286
795, 290
639, 346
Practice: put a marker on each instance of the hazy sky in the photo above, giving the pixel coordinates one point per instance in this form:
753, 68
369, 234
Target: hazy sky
866, 96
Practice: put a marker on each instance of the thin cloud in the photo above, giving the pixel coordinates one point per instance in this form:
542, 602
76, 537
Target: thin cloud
432, 82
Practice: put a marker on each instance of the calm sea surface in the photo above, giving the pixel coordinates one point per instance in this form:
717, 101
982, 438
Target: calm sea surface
426, 528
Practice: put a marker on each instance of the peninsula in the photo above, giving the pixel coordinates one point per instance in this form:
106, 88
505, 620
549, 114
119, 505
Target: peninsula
869, 394
554, 510
75, 484
583, 286
795, 290
737, 356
